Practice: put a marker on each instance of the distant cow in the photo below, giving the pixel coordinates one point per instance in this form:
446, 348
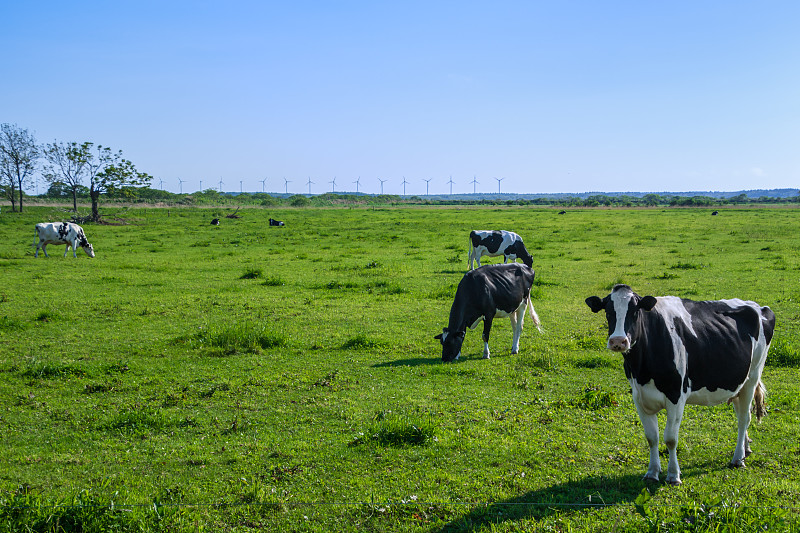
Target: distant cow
215, 222
490, 292
273, 222
679, 352
494, 243
715, 213
562, 212
61, 233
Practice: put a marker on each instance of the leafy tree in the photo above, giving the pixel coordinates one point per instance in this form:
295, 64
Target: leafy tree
18, 156
108, 171
65, 165
105, 170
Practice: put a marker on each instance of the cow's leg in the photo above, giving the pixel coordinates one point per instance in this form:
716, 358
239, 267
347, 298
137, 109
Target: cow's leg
517, 319
487, 328
44, 249
36, 253
74, 249
650, 425
674, 417
741, 405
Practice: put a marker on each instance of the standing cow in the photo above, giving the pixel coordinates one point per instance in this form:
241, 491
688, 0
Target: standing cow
494, 291
680, 352
494, 243
61, 233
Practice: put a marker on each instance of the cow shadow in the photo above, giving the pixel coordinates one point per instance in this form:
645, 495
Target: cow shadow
576, 496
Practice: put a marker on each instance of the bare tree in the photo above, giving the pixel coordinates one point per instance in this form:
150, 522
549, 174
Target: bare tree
66, 165
18, 156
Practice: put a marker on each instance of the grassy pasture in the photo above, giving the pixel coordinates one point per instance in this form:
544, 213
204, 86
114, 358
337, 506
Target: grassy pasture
229, 378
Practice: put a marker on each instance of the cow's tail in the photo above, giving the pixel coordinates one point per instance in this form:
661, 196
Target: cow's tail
471, 253
758, 398
534, 316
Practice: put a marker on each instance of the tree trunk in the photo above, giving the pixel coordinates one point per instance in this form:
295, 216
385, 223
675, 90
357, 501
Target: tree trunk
20, 196
95, 201
13, 198
75, 199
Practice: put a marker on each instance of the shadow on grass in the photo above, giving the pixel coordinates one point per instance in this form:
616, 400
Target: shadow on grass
565, 498
414, 361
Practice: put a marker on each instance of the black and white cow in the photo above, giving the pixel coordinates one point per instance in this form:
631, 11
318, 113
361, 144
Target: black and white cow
679, 352
494, 243
493, 291
61, 233
273, 222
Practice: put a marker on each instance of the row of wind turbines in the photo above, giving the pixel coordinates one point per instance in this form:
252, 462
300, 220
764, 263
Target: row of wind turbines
357, 182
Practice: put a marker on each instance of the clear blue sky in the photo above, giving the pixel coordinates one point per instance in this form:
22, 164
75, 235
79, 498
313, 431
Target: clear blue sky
566, 96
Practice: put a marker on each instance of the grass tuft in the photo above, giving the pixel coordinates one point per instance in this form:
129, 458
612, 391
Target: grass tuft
783, 354
252, 273
238, 338
388, 429
361, 342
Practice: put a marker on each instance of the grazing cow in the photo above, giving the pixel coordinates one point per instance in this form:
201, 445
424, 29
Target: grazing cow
490, 292
273, 222
61, 233
562, 212
494, 243
215, 222
680, 352
715, 213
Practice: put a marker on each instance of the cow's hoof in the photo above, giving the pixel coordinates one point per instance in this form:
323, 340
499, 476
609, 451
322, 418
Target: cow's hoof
650, 477
486, 356
674, 482
514, 352
736, 464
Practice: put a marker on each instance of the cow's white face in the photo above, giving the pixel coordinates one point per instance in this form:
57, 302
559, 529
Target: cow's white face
89, 250
622, 308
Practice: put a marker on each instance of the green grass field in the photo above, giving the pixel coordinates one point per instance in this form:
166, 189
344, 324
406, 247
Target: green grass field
232, 378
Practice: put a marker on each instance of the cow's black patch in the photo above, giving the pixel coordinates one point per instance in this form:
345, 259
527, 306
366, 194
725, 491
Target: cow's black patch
492, 242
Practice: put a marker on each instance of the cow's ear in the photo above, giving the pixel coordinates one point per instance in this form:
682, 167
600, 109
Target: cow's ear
648, 303
439, 336
594, 303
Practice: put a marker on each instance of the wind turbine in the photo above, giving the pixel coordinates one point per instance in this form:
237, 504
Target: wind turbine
474, 182
451, 184
287, 184
201, 185
404, 185
263, 184
240, 186
498, 184
162, 184
333, 182
357, 182
382, 181
427, 183
180, 184
220, 185
309, 184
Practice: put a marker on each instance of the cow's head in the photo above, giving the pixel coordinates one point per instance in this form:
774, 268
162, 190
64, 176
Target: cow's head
88, 249
622, 308
451, 344
528, 260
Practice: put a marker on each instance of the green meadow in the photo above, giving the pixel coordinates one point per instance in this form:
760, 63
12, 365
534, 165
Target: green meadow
240, 377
